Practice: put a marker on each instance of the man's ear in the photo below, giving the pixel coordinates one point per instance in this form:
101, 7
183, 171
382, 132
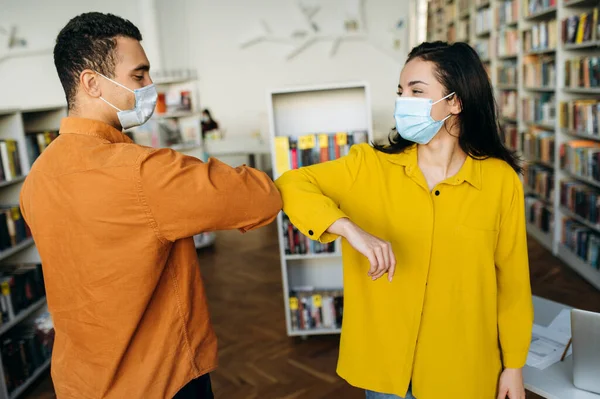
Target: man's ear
455, 104
89, 82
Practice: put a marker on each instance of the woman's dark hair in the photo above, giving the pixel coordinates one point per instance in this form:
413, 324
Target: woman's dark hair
459, 69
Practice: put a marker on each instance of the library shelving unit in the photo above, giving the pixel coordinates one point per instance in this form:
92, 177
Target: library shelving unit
544, 63
333, 115
31, 130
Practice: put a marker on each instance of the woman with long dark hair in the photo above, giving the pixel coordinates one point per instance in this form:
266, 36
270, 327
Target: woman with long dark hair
440, 210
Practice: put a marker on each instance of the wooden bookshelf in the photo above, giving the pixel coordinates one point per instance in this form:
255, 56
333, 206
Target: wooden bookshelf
556, 92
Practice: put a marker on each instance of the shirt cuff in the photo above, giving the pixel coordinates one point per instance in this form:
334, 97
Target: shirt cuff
514, 360
318, 229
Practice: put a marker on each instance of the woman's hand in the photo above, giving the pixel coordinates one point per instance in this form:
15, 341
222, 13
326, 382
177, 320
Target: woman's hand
378, 252
511, 384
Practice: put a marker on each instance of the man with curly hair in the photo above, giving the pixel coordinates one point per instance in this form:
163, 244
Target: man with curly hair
113, 223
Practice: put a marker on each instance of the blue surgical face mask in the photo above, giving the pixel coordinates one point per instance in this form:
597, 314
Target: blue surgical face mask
145, 102
414, 121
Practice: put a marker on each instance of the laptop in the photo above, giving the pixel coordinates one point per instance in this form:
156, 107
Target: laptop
586, 350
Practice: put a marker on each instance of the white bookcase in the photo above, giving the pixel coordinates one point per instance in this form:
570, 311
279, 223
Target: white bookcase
318, 109
547, 10
17, 125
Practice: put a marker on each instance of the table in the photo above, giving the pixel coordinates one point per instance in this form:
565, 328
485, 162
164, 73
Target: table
555, 382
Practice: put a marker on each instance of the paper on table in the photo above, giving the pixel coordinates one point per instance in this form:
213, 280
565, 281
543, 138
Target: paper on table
562, 324
546, 347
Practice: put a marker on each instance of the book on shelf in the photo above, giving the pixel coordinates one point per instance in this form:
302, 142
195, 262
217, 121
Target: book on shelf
581, 199
508, 73
507, 12
538, 214
508, 104
580, 116
483, 20
310, 149
20, 287
316, 309
539, 109
532, 7
581, 240
539, 180
484, 47
582, 72
13, 229
578, 29
539, 71
508, 42
25, 349
538, 144
296, 243
512, 138
10, 160
581, 158
37, 143
462, 31
540, 37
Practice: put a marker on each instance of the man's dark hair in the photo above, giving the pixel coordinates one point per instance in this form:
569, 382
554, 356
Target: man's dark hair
88, 41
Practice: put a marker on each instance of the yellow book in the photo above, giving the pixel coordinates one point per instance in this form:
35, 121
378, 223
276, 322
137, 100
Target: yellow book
581, 28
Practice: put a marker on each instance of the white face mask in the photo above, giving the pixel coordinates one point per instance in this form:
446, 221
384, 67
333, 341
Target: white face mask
145, 102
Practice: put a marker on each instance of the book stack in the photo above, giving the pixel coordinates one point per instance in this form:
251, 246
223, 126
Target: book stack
38, 142
13, 229
310, 149
25, 349
581, 158
507, 12
20, 289
539, 71
539, 180
581, 116
582, 241
508, 42
10, 160
582, 72
316, 309
532, 7
582, 28
538, 145
541, 37
581, 199
538, 214
539, 109
296, 243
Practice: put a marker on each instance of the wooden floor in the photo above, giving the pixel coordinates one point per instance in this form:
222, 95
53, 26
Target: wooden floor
258, 360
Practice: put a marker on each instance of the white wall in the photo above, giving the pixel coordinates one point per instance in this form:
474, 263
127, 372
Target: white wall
32, 81
205, 34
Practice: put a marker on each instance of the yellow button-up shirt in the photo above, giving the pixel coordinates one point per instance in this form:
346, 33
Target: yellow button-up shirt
459, 306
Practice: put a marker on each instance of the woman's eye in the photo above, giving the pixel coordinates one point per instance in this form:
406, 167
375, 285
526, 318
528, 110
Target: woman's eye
417, 92
399, 93
138, 77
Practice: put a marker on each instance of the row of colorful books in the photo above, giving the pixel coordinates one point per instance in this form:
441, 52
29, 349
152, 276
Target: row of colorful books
581, 116
20, 288
316, 309
296, 243
507, 12
539, 71
541, 36
582, 72
10, 160
508, 73
538, 214
581, 199
531, 7
483, 20
538, 144
583, 241
512, 138
581, 158
539, 180
38, 142
581, 28
25, 349
508, 101
539, 108
13, 229
310, 149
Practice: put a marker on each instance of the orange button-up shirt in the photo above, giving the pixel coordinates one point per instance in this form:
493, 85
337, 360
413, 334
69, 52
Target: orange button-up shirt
113, 223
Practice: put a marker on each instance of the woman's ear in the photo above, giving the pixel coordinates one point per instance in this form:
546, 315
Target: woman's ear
455, 105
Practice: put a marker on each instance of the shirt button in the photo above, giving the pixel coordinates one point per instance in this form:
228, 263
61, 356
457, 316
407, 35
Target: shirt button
437, 192
310, 232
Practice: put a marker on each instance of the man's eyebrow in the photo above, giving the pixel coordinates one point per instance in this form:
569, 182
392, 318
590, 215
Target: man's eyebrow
414, 82
142, 68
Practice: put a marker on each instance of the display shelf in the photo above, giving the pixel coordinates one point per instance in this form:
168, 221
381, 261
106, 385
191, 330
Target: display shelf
582, 90
507, 87
581, 135
583, 179
541, 51
22, 315
16, 180
36, 374
567, 212
530, 191
579, 265
314, 331
17, 248
585, 45
548, 12
580, 3
541, 125
540, 89
313, 256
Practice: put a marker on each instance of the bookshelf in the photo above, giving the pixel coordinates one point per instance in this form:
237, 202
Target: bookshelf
31, 130
336, 116
543, 59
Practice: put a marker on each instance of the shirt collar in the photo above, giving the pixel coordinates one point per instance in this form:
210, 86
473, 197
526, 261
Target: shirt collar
469, 172
91, 127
